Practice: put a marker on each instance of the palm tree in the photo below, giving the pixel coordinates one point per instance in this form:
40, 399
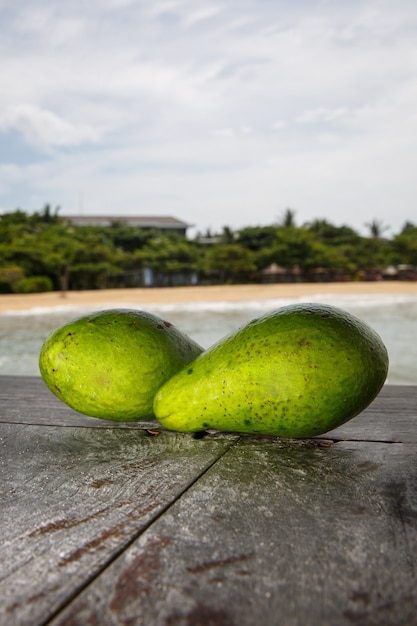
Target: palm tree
376, 228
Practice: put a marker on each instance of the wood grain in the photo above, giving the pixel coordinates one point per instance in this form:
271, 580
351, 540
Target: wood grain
107, 524
72, 499
274, 533
26, 400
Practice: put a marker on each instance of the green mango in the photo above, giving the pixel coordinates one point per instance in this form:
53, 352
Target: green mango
297, 372
111, 363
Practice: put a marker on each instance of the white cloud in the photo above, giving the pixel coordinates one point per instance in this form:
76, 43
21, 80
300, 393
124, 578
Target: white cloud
277, 125
206, 12
222, 132
44, 21
240, 108
45, 128
322, 114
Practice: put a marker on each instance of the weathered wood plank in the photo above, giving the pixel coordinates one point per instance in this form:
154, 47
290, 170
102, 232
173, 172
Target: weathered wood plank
391, 417
27, 400
275, 531
293, 534
73, 498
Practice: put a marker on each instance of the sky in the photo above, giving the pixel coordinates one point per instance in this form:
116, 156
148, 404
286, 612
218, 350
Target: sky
218, 112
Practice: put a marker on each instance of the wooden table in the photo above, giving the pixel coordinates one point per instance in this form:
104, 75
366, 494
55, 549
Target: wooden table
106, 524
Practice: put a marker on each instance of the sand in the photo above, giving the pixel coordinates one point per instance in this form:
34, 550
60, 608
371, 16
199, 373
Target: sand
176, 295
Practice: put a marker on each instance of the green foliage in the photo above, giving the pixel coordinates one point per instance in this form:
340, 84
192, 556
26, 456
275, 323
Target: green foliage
48, 249
130, 238
229, 262
168, 253
34, 284
47, 215
10, 275
288, 218
291, 247
405, 245
257, 237
376, 228
17, 217
333, 235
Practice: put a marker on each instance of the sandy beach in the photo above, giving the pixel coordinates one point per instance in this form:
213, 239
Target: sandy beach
176, 295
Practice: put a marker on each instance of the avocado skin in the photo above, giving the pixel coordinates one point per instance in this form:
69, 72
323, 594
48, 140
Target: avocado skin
109, 364
299, 371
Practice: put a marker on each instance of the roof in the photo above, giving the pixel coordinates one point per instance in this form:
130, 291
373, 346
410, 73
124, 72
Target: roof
143, 221
274, 268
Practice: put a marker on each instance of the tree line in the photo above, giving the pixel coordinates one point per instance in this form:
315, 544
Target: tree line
43, 251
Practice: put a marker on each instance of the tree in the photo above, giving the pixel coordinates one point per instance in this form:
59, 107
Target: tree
47, 215
288, 218
374, 252
376, 228
14, 217
408, 226
168, 255
291, 246
256, 237
43, 247
405, 246
332, 235
228, 235
10, 275
130, 238
229, 262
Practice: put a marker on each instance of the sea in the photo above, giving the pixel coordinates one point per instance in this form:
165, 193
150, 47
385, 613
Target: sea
393, 317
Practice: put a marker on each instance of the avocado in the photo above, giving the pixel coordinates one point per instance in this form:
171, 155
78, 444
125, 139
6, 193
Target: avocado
296, 372
109, 364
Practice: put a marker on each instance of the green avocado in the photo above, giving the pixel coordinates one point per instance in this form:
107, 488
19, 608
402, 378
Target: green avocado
111, 363
297, 372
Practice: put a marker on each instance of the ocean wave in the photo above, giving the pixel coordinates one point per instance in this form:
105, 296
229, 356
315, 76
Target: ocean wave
346, 301
341, 301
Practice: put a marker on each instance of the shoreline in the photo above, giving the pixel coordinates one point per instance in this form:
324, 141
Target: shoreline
10, 303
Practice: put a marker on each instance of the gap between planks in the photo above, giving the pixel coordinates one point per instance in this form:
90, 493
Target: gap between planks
136, 536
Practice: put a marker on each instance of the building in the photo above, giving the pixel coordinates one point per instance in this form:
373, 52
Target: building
163, 224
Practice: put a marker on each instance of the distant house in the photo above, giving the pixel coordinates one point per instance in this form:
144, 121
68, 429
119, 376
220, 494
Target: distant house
275, 273
161, 223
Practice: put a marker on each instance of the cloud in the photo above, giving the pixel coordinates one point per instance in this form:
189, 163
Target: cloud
204, 13
322, 114
219, 110
222, 132
44, 127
